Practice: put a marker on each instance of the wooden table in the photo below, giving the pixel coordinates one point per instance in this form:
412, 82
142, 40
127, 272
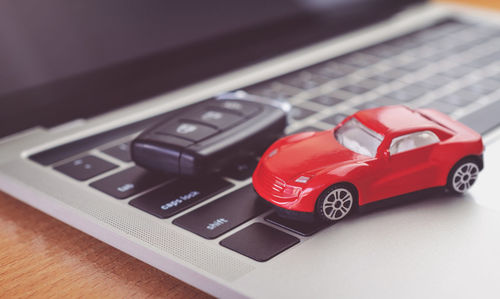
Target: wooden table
43, 257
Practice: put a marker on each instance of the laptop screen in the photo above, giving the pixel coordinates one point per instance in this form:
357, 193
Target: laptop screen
63, 60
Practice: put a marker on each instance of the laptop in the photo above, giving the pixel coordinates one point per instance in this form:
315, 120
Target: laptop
80, 80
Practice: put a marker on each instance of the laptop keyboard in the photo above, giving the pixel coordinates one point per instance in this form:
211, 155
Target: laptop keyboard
453, 67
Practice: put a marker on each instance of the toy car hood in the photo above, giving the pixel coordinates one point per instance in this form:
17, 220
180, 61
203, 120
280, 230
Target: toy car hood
308, 155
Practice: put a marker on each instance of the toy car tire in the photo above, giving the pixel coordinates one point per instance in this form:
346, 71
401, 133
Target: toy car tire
462, 176
336, 202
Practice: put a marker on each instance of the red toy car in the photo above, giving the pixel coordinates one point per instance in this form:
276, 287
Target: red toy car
371, 155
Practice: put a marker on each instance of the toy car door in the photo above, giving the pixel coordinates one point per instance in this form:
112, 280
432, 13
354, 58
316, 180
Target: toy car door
407, 165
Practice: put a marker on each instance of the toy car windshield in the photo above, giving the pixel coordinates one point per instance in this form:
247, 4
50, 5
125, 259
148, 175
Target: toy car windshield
358, 138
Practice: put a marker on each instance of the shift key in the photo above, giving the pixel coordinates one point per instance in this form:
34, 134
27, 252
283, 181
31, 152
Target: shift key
224, 214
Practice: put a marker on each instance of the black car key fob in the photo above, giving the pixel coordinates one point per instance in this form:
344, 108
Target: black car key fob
207, 136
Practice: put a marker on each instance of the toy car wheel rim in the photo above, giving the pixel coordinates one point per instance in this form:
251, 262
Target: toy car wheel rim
465, 176
337, 203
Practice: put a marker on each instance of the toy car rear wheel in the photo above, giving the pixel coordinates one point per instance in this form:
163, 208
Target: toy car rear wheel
336, 202
462, 176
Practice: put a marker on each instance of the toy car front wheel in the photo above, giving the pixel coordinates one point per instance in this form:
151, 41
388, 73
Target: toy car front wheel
336, 202
462, 176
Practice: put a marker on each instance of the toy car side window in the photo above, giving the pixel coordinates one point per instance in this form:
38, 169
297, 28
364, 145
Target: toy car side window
412, 141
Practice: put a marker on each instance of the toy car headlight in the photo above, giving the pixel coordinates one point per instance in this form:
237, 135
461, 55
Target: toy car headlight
292, 191
302, 179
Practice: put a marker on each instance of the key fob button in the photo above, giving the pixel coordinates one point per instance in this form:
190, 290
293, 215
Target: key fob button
188, 130
221, 120
244, 108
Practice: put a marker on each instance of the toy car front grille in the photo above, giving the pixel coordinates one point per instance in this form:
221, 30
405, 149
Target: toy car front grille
272, 183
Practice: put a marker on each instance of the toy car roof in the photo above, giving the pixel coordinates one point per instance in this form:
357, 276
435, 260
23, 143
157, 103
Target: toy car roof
392, 119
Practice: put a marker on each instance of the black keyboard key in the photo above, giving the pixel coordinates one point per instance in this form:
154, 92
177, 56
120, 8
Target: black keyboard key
367, 105
459, 98
438, 56
273, 91
369, 84
179, 195
485, 60
421, 54
355, 89
442, 30
408, 93
332, 70
334, 119
376, 103
129, 182
304, 80
484, 119
120, 152
299, 113
382, 101
393, 74
414, 66
241, 169
468, 45
483, 87
224, 214
383, 50
299, 227
359, 59
305, 129
444, 107
405, 43
381, 79
496, 77
445, 45
458, 72
327, 100
85, 168
259, 242
435, 81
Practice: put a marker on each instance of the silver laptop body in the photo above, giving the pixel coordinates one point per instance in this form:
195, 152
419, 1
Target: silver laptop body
440, 246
